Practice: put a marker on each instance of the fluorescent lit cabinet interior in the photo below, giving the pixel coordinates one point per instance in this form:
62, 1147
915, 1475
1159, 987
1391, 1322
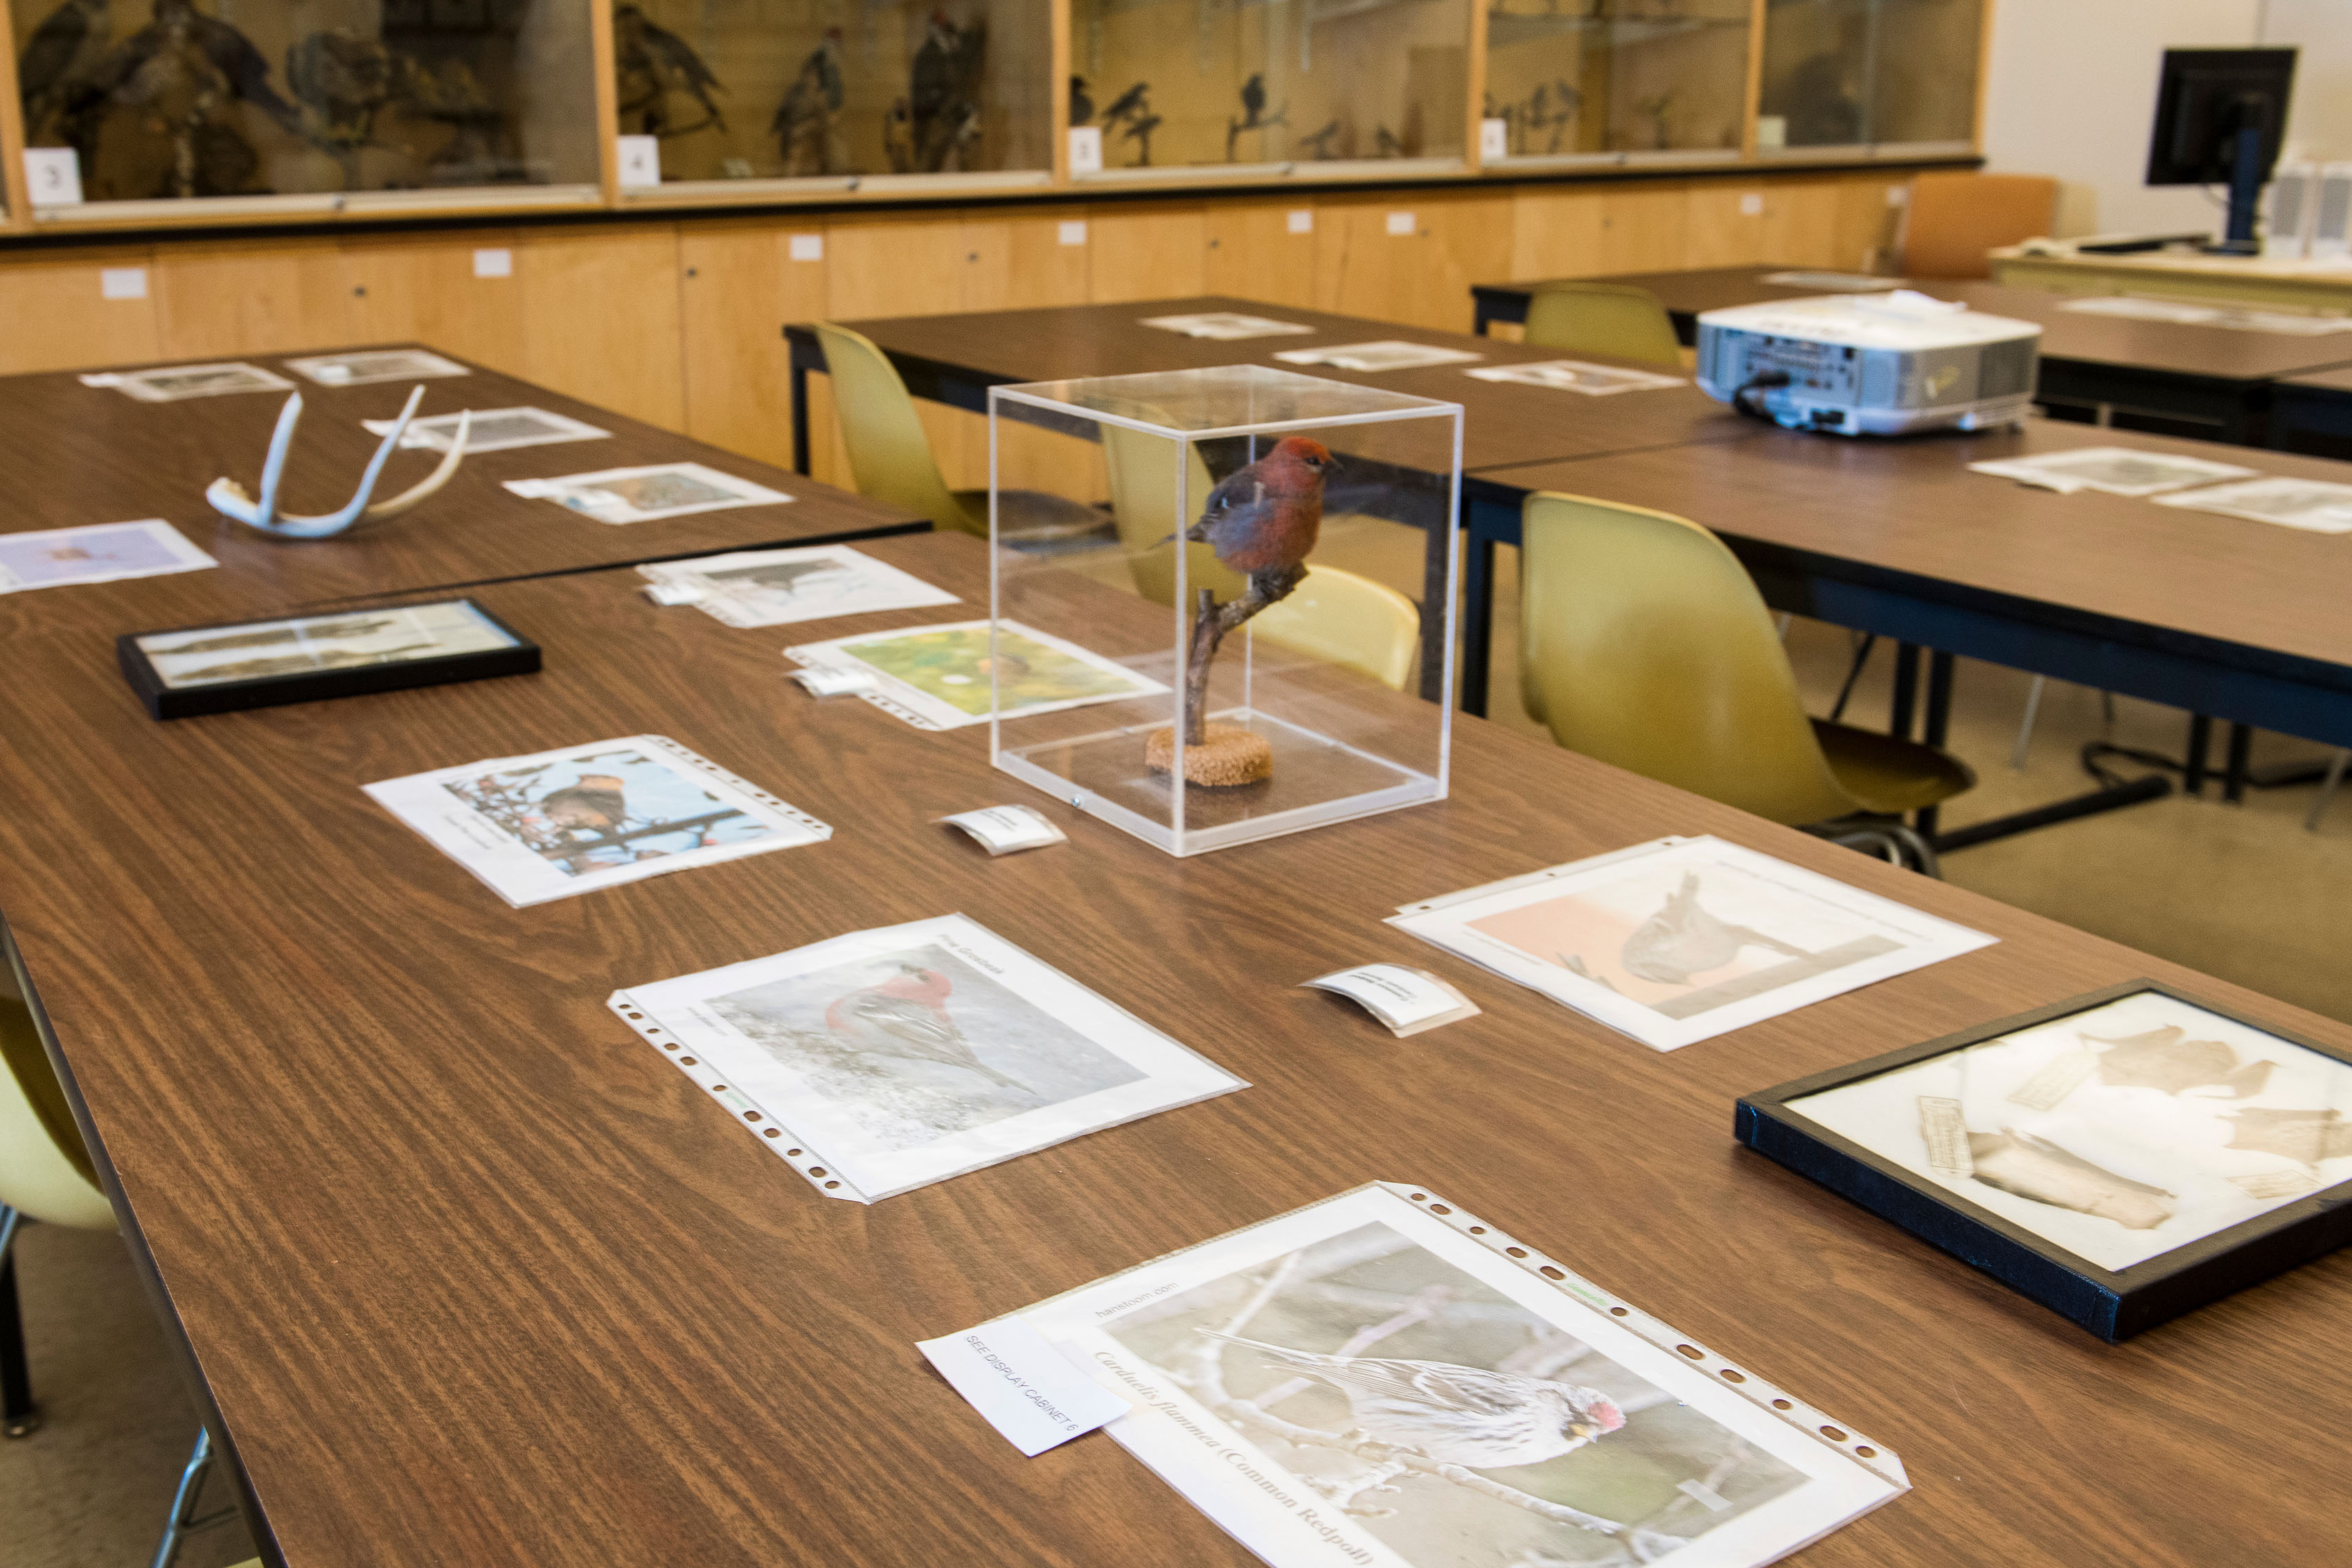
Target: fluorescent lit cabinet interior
1183, 87
1300, 705
1844, 74
834, 94
263, 106
1617, 81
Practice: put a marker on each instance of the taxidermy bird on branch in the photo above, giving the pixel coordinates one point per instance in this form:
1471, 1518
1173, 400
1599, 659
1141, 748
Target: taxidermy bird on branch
1455, 1414
1262, 522
651, 62
807, 126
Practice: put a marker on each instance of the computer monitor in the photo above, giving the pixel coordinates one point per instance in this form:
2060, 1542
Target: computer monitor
2220, 114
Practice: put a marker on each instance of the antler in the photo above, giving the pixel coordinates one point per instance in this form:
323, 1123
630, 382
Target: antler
232, 499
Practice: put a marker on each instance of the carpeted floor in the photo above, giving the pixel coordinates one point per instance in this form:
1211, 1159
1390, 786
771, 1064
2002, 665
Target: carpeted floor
2241, 893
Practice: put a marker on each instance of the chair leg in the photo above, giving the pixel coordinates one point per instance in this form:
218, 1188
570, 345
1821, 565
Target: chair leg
19, 1416
1897, 843
2327, 791
185, 1521
2025, 726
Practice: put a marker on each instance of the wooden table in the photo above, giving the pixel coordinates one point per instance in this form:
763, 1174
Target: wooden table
2214, 382
473, 1277
2266, 280
86, 455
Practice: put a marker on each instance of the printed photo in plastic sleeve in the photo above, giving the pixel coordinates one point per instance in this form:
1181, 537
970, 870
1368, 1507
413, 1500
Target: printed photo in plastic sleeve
939, 678
752, 588
647, 494
1681, 940
1370, 1381
96, 552
578, 818
174, 384
491, 430
892, 1059
368, 366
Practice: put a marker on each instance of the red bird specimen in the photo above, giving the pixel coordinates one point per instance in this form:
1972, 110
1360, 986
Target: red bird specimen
906, 1016
1261, 520
1457, 1415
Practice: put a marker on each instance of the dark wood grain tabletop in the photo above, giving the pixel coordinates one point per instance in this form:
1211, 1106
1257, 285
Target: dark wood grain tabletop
477, 1279
93, 455
1503, 421
2221, 588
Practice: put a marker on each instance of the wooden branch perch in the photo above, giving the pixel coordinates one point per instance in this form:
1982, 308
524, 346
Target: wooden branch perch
1211, 623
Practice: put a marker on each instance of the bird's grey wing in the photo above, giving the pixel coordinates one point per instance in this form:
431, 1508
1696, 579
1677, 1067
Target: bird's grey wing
1466, 1389
910, 1019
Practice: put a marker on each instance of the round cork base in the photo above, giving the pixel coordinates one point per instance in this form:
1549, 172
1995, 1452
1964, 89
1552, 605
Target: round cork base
1231, 756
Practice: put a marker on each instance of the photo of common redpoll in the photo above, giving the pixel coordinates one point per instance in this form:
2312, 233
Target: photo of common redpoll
1405, 1400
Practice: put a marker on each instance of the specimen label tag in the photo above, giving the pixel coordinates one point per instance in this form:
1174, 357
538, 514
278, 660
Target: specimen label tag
1025, 1388
1002, 829
1946, 1134
1407, 1000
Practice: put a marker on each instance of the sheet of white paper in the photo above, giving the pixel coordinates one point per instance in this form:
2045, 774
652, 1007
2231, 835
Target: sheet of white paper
888, 1059
1004, 830
647, 493
752, 588
936, 677
365, 368
2313, 505
1388, 353
172, 384
1028, 1390
1269, 1314
1681, 940
2236, 318
96, 553
1225, 326
1577, 375
578, 818
1404, 998
490, 430
2116, 470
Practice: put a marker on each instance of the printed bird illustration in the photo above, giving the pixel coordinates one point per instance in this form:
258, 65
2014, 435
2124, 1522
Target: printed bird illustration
2035, 1168
906, 1016
2166, 1058
1682, 940
1261, 520
60, 54
652, 62
1457, 1415
784, 575
2309, 1136
807, 123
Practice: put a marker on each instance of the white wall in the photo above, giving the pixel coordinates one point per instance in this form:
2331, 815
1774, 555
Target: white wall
2319, 121
2070, 91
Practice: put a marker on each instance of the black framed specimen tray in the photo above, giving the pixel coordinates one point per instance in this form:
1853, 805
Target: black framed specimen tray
2122, 1158
181, 673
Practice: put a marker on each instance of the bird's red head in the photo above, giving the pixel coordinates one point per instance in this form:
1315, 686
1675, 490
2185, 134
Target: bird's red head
1598, 1417
1298, 448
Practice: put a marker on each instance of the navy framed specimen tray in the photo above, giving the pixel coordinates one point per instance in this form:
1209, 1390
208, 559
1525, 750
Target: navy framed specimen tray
2122, 1158
190, 670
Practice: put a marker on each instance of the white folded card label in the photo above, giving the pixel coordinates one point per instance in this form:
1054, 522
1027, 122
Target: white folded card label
1406, 999
1025, 1388
673, 593
1002, 829
830, 683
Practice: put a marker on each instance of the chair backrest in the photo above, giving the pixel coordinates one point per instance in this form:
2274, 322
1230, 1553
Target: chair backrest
1142, 469
1344, 619
1645, 644
44, 1169
1954, 218
1603, 319
890, 453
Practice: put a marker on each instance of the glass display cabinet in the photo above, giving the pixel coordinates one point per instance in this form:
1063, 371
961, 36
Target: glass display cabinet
1617, 81
319, 104
1287, 679
837, 92
1843, 74
1182, 87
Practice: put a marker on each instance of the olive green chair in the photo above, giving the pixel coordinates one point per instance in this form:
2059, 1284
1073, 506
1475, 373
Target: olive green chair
1645, 644
1603, 319
890, 455
1336, 616
45, 1175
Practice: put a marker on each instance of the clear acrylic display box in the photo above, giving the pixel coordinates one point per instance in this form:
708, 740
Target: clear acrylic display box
1312, 710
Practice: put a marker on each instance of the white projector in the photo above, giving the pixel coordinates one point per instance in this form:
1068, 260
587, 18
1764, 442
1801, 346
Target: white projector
1870, 364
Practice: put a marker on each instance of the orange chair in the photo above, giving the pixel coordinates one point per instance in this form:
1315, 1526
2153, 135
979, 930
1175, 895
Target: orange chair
1955, 219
